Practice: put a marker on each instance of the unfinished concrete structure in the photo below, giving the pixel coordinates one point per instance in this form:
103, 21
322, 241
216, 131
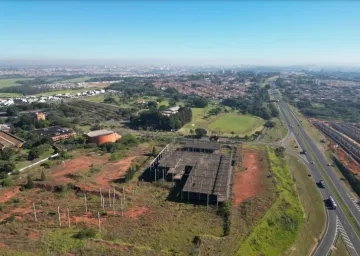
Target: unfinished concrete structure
201, 171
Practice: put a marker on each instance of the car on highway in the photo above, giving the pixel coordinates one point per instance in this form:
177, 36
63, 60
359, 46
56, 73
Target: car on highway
321, 184
312, 162
332, 203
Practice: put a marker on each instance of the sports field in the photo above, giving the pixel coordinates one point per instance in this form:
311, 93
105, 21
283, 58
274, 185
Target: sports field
228, 124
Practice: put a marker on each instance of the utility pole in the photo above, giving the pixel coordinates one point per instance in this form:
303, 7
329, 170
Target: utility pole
68, 216
110, 198
34, 212
86, 208
58, 210
99, 222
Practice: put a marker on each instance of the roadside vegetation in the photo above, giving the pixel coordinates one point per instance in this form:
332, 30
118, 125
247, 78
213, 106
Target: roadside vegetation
279, 228
313, 206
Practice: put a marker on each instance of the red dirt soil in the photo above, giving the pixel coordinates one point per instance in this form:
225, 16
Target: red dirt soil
247, 183
136, 211
7, 193
34, 235
80, 163
113, 172
343, 157
2, 245
86, 218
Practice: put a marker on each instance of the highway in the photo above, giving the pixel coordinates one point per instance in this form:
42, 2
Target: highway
336, 219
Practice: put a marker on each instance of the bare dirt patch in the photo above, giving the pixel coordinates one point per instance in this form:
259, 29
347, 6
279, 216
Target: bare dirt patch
136, 211
8, 193
81, 163
34, 235
247, 183
113, 172
2, 245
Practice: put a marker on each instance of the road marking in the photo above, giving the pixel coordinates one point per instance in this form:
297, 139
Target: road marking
346, 239
354, 201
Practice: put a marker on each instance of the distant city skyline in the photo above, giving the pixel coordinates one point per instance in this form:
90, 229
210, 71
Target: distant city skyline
271, 33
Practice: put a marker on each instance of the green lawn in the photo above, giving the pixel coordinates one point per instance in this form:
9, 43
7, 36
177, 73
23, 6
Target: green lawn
233, 122
228, 124
11, 82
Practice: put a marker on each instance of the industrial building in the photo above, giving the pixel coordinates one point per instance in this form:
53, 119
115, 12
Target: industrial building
202, 172
56, 133
9, 140
39, 116
102, 136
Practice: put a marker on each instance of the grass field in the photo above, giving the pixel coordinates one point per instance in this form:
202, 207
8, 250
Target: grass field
313, 206
76, 80
10, 95
276, 133
280, 226
340, 248
62, 92
11, 82
228, 124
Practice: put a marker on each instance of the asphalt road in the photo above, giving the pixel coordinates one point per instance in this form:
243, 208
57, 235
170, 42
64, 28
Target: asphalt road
336, 219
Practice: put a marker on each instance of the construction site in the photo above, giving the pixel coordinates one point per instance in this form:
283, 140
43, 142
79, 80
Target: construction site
200, 170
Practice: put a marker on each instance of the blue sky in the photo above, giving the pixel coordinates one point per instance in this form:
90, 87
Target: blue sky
218, 32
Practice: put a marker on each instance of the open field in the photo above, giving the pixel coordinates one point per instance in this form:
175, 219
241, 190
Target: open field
10, 95
151, 223
273, 236
313, 206
228, 124
251, 199
11, 82
76, 80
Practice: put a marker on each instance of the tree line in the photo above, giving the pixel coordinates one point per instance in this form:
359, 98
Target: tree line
154, 120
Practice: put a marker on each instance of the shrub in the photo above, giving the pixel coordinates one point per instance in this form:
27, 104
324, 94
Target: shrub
29, 184
42, 177
85, 233
7, 182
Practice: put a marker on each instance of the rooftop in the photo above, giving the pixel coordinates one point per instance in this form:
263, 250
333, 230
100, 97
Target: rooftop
99, 133
52, 131
207, 173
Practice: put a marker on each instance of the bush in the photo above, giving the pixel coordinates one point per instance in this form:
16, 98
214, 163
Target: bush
85, 233
42, 177
279, 152
200, 132
7, 182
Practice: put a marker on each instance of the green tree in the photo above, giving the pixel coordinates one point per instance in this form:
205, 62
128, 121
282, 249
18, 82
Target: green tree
12, 111
200, 132
30, 183
7, 153
279, 151
153, 153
